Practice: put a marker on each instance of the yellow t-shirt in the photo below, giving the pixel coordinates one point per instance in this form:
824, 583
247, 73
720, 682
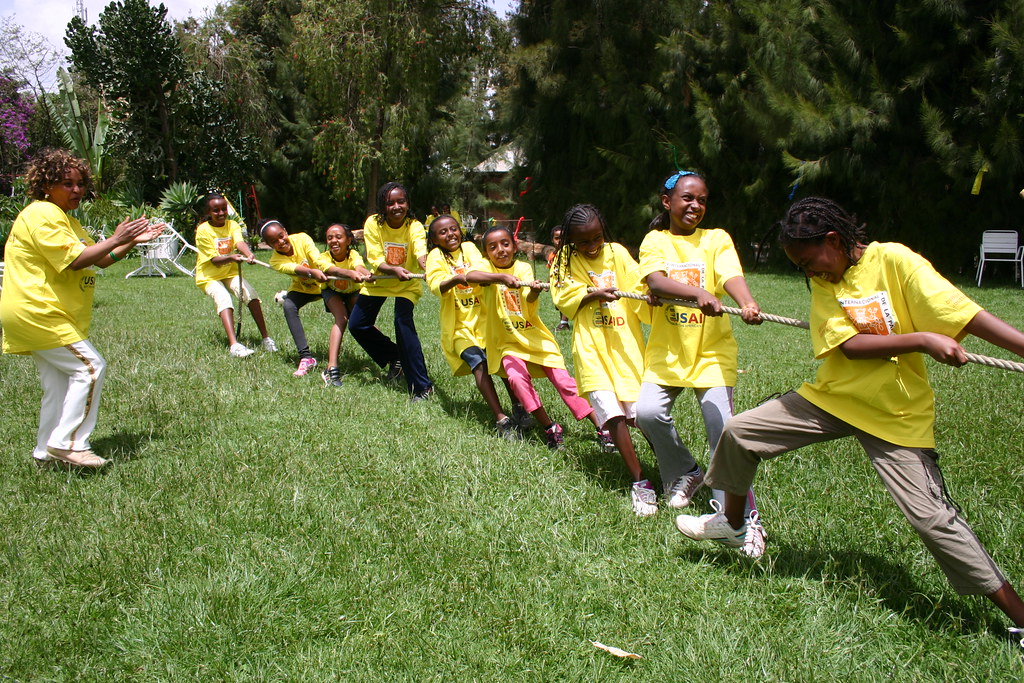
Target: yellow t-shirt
685, 348
892, 290
44, 304
607, 340
512, 324
461, 319
210, 242
304, 253
401, 246
350, 262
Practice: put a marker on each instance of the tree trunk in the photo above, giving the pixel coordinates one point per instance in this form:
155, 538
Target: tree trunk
165, 132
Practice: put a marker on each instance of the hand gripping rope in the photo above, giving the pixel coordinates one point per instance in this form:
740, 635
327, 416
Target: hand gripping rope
793, 322
373, 278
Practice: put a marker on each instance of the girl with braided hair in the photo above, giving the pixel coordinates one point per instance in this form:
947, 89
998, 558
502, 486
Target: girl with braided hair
607, 341
691, 348
875, 310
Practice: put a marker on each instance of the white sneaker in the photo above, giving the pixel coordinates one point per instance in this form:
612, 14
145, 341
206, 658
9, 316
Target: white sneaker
712, 527
754, 540
1017, 637
680, 493
645, 499
239, 351
269, 346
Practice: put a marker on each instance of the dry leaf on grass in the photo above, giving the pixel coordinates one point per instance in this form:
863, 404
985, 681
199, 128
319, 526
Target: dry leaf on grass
615, 651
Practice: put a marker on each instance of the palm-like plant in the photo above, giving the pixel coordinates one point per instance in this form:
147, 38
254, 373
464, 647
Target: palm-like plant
178, 201
67, 112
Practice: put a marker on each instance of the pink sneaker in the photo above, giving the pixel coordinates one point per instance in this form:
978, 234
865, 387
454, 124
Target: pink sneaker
305, 365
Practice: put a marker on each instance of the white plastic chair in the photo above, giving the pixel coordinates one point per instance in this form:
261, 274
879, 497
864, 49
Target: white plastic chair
1001, 246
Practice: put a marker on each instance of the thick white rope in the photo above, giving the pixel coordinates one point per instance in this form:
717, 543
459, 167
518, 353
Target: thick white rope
971, 357
373, 277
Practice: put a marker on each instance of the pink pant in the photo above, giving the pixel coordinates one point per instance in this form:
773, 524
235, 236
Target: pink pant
522, 387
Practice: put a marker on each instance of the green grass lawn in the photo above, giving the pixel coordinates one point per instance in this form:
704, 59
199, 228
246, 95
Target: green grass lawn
256, 526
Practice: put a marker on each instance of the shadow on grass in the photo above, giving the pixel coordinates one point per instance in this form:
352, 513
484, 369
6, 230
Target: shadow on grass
855, 572
124, 446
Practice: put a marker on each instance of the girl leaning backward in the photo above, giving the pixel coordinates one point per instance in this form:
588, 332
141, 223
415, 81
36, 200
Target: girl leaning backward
395, 245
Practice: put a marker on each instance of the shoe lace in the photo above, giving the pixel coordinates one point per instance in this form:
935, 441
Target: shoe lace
681, 483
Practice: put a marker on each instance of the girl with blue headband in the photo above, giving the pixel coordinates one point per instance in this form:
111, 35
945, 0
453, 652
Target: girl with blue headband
691, 348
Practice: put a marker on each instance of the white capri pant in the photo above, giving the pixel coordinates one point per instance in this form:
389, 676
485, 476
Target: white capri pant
607, 405
218, 290
72, 378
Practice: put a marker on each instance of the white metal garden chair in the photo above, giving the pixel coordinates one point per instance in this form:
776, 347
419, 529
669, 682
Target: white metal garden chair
1001, 246
163, 253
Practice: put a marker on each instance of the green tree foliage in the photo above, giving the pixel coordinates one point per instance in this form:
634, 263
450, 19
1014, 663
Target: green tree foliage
381, 73
289, 187
134, 60
168, 121
580, 104
891, 108
72, 121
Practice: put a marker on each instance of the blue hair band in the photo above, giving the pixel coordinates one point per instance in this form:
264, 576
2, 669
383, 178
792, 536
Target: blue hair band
673, 179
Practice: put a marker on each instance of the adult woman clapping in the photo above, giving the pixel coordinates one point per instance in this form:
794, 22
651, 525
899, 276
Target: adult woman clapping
46, 302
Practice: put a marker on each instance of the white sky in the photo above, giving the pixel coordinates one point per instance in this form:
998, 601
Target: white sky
50, 17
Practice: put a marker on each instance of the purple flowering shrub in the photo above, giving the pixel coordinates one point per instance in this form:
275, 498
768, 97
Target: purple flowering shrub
15, 112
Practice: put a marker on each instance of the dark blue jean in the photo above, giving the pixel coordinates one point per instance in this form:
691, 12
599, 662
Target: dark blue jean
362, 325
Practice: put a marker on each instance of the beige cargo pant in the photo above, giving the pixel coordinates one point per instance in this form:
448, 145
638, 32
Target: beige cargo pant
910, 474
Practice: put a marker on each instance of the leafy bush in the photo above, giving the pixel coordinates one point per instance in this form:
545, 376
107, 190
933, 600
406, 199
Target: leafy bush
10, 207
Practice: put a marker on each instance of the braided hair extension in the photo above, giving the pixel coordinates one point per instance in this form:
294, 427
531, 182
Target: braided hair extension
204, 204
811, 218
382, 200
662, 221
431, 244
577, 216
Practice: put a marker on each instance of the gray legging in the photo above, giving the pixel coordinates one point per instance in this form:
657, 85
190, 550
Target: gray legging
291, 303
654, 418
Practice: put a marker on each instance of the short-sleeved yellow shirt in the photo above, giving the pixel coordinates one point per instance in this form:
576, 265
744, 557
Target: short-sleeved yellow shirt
513, 326
461, 319
685, 347
891, 290
607, 340
44, 304
210, 242
304, 253
401, 246
350, 262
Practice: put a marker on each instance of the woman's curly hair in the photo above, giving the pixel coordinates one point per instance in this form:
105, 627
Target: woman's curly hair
49, 168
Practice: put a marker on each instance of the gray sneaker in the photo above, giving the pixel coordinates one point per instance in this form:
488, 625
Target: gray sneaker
522, 418
508, 429
394, 371
680, 493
